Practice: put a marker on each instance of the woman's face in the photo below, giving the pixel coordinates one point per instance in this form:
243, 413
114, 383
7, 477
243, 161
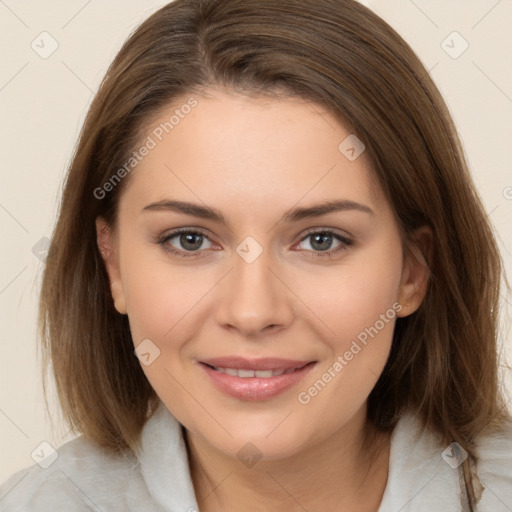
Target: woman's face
248, 285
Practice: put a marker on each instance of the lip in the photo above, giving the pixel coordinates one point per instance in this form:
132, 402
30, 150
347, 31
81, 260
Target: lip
267, 363
255, 388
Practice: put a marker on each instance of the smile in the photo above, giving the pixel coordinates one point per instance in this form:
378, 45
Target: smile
264, 374
255, 380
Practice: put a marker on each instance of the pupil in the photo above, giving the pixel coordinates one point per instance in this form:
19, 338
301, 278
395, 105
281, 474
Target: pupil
322, 238
187, 241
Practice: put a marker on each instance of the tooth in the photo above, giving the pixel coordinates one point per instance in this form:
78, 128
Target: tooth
246, 373
263, 373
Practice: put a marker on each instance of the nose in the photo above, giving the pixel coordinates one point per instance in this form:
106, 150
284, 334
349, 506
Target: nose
254, 299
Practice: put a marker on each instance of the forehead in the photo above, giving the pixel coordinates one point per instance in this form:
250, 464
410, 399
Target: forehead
250, 154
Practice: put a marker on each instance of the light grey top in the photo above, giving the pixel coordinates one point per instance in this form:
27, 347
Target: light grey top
82, 477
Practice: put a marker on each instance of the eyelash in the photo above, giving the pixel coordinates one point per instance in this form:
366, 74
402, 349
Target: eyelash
346, 242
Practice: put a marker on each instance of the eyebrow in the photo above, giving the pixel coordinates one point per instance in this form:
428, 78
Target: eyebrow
293, 215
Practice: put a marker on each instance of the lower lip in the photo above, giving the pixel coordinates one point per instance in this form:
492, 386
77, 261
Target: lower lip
256, 388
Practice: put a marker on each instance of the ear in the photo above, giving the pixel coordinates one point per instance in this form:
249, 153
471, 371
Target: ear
108, 249
416, 271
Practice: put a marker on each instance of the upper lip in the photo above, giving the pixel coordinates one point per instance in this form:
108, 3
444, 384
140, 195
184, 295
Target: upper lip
267, 363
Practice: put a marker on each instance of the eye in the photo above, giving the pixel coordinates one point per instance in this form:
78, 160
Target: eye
185, 242
322, 240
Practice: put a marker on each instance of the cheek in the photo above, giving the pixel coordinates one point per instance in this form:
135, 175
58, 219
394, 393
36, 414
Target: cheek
359, 305
164, 303
159, 292
353, 296
361, 318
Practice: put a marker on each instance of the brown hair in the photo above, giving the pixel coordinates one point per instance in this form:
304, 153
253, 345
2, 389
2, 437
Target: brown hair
443, 362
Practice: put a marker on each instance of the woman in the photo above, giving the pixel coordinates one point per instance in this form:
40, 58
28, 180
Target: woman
272, 284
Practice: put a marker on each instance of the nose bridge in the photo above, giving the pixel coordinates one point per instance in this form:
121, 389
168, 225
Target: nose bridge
252, 296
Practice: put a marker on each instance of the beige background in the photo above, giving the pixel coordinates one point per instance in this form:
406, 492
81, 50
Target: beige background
43, 103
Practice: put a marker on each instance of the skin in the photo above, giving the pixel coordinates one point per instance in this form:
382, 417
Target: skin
253, 159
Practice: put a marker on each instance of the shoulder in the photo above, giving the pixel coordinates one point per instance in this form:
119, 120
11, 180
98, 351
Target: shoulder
82, 476
495, 468
425, 475
85, 477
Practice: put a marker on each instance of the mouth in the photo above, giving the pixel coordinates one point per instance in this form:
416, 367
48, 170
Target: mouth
253, 380
261, 374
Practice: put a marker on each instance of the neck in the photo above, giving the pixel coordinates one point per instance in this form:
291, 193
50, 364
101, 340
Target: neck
346, 471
